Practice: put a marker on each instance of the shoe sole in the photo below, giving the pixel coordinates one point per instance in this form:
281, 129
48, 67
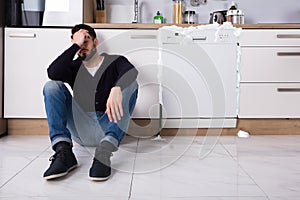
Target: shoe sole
61, 174
99, 178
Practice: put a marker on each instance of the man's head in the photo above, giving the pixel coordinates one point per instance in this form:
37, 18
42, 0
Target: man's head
85, 37
90, 30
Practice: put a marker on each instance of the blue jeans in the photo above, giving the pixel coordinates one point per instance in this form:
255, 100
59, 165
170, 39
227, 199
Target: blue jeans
67, 120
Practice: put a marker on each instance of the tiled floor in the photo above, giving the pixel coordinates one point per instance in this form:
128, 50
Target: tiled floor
179, 168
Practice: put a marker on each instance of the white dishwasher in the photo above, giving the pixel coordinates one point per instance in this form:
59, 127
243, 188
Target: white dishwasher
198, 74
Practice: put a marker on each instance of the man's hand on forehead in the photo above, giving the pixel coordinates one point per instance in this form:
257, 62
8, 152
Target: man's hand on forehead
80, 36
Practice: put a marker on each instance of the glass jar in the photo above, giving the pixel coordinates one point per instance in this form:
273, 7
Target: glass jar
177, 12
189, 17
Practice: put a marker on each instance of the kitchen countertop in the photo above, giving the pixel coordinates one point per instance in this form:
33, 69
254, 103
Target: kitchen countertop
155, 26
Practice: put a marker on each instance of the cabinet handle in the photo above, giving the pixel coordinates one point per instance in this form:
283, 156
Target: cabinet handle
143, 36
200, 38
287, 36
22, 35
288, 53
288, 89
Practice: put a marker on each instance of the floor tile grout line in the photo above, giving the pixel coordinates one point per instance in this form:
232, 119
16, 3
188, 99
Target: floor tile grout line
133, 169
252, 179
240, 167
19, 171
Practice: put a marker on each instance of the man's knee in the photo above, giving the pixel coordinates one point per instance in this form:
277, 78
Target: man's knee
52, 87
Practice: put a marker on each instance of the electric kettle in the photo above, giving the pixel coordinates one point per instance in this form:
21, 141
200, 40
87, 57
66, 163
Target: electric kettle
218, 17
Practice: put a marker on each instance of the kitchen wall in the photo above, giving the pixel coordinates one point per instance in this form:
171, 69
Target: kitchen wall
63, 12
256, 11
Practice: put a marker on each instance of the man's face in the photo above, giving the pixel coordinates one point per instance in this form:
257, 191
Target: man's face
87, 46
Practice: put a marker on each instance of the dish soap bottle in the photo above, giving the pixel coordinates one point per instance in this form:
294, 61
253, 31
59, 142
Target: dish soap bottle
158, 19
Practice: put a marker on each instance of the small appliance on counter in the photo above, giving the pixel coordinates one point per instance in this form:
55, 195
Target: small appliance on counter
234, 15
218, 17
189, 17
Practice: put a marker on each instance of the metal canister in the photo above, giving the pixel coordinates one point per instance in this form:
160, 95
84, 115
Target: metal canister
235, 16
189, 17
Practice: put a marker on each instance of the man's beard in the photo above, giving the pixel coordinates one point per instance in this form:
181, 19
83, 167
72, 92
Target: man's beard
88, 57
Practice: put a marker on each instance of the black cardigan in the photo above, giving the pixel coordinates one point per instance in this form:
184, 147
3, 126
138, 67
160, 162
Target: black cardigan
90, 92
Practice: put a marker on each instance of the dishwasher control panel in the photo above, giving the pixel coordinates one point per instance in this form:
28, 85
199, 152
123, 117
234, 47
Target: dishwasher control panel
178, 35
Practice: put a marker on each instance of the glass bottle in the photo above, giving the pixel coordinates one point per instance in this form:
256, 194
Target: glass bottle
158, 19
177, 12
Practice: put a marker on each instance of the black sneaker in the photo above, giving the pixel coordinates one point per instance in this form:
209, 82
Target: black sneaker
101, 169
62, 162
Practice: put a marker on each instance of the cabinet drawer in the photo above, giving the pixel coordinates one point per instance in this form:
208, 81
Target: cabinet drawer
274, 64
270, 38
263, 100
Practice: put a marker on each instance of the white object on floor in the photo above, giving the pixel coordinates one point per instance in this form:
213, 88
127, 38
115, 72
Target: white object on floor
159, 138
243, 134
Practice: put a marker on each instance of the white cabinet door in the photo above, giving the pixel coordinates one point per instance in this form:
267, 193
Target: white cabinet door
28, 53
141, 49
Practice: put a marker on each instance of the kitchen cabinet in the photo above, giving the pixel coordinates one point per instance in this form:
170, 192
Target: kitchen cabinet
270, 68
28, 53
141, 49
35, 49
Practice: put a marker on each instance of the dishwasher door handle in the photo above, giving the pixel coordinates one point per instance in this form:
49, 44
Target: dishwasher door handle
22, 35
288, 36
143, 36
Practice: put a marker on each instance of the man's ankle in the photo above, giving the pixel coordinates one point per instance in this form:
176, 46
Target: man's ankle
62, 145
107, 146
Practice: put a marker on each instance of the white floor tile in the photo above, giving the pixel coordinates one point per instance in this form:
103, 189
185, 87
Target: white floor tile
277, 176
23, 146
171, 168
30, 183
16, 152
10, 166
192, 177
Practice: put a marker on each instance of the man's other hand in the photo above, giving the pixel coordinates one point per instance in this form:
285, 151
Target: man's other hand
114, 109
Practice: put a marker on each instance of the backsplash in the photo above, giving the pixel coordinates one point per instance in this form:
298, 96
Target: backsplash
256, 11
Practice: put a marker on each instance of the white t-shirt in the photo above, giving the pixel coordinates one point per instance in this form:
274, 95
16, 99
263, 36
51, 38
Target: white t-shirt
93, 70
